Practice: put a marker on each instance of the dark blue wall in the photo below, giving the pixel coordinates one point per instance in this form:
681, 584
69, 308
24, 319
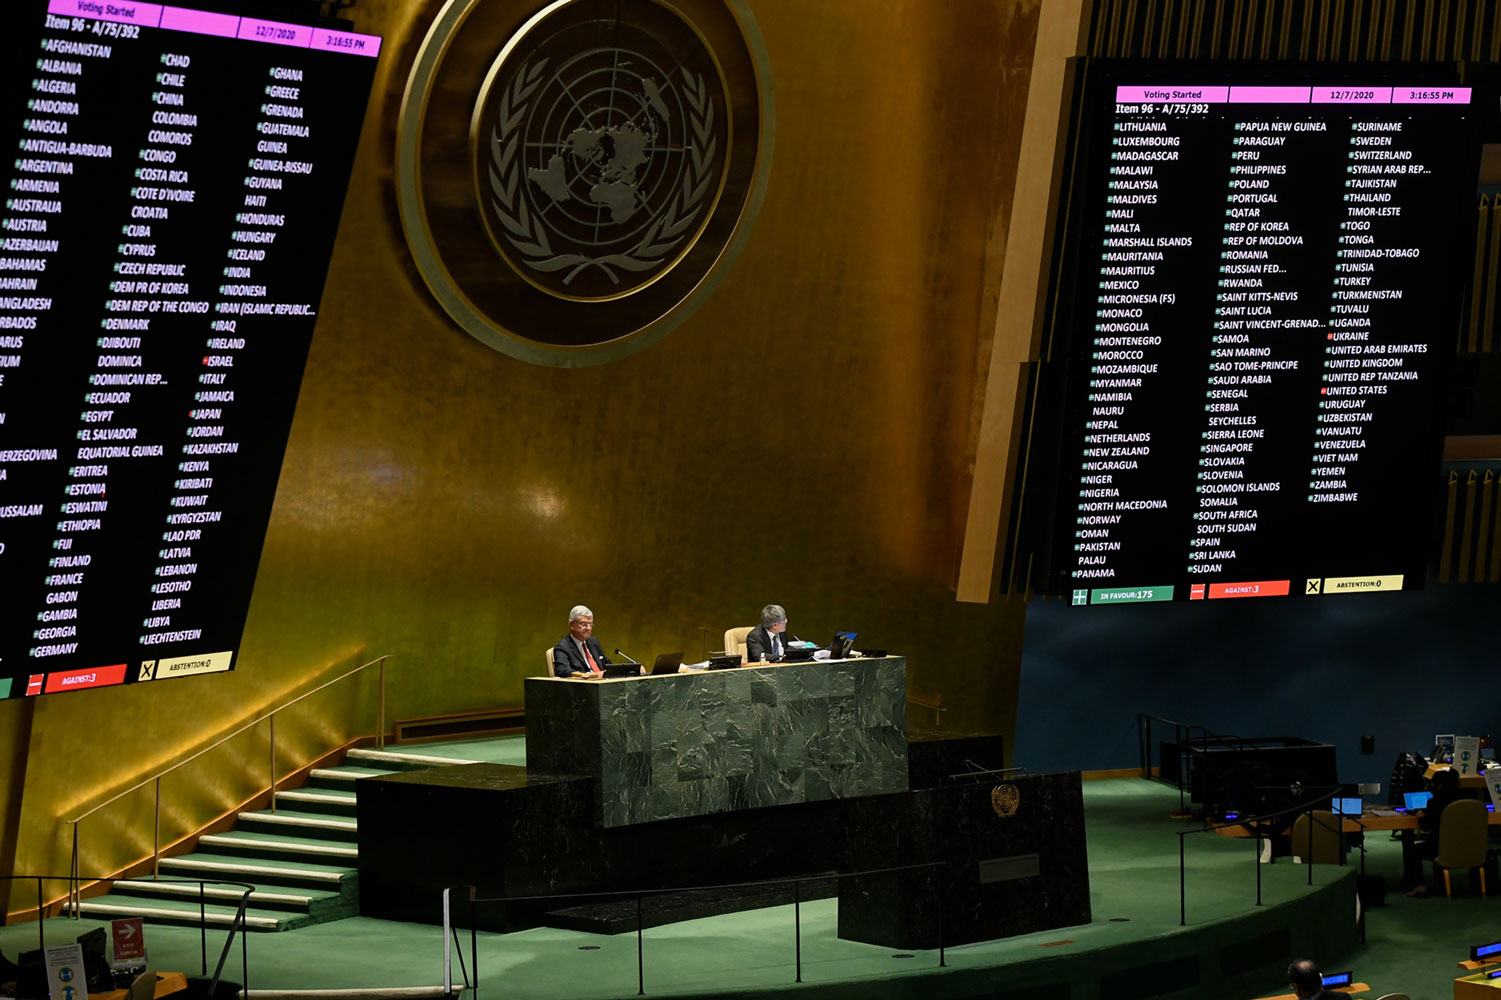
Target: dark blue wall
1400, 667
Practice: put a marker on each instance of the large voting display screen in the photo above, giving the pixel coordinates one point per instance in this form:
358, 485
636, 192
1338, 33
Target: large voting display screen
172, 189
1259, 287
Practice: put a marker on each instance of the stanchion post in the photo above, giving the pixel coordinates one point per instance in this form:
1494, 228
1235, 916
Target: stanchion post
640, 969
156, 836
380, 709
797, 925
942, 902
273, 761
1308, 858
203, 925
1258, 866
1182, 899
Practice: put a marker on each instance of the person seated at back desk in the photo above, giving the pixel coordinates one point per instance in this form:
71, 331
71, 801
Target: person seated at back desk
1308, 982
1445, 785
765, 642
579, 654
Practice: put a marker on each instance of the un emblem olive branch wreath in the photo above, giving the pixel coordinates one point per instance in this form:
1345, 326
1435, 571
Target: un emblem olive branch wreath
525, 229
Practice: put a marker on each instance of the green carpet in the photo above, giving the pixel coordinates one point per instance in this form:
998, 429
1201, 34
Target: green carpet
1413, 944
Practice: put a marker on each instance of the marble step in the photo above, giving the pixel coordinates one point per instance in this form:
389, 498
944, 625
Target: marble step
263, 872
316, 902
309, 824
113, 906
340, 801
399, 760
343, 776
249, 843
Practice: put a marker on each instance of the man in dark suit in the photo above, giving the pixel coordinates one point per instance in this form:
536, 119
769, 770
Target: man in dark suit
1308, 982
766, 641
578, 653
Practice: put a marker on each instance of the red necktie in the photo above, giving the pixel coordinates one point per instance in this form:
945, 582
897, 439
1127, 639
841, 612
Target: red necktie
593, 667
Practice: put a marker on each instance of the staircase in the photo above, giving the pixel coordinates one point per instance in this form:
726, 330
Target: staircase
303, 858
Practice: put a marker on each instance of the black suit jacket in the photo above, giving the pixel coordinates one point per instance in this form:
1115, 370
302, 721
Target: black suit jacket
758, 640
567, 661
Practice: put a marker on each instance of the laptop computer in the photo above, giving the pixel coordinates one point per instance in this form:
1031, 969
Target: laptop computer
667, 663
843, 642
724, 661
1351, 806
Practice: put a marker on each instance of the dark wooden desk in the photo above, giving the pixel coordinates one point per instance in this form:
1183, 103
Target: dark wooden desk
1367, 822
167, 983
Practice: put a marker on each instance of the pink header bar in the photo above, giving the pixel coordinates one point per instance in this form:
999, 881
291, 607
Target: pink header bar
148, 14
276, 32
200, 22
1176, 94
1352, 95
1269, 95
345, 41
1430, 95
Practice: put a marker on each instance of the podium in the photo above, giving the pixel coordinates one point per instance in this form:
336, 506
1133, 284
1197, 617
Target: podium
691, 744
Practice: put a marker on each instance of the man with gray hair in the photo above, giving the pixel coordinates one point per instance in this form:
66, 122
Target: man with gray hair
764, 642
579, 654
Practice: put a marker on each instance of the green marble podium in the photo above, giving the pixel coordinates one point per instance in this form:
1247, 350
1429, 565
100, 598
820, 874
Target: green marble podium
691, 744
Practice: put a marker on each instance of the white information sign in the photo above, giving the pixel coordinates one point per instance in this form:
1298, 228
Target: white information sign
65, 976
1467, 755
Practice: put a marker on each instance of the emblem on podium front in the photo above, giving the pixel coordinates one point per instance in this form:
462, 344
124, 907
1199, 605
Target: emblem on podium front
617, 153
1005, 800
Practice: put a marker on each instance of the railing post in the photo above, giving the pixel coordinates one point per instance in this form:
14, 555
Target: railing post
380, 709
1182, 898
272, 720
75, 891
1308, 858
203, 924
640, 968
156, 836
1258, 866
797, 925
447, 948
942, 902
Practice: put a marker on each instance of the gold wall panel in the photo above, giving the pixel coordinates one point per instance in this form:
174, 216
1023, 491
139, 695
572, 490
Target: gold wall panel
804, 438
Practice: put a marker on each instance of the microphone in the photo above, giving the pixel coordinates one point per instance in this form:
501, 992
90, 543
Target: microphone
628, 656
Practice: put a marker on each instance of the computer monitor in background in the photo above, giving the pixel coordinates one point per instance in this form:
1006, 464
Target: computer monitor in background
1348, 806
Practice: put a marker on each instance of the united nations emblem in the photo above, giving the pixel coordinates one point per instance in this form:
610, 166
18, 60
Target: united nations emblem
617, 151
1005, 800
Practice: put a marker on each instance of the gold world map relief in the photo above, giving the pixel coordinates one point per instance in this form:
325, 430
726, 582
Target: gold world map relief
618, 153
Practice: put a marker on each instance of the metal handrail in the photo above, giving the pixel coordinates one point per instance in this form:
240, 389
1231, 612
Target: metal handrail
450, 931
1253, 822
74, 897
236, 926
